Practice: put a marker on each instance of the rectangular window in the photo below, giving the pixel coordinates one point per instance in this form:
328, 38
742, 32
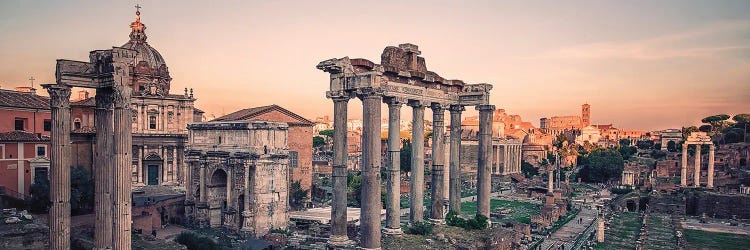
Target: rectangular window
41, 173
20, 124
293, 159
41, 151
152, 122
48, 125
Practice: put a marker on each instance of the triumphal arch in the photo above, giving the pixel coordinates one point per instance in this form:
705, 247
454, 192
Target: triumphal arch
402, 78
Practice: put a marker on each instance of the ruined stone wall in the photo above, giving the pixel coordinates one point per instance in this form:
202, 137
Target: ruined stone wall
469, 155
722, 206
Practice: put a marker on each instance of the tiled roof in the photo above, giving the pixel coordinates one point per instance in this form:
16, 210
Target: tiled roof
196, 110
21, 136
87, 102
250, 113
16, 99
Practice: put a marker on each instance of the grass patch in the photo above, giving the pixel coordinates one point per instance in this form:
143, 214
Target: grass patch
520, 211
697, 239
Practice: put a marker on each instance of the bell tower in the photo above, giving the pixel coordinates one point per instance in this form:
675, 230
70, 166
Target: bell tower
585, 115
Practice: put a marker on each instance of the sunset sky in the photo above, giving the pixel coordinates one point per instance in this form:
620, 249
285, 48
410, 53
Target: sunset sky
640, 64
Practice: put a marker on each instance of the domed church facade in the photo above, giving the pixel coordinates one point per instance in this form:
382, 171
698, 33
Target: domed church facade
160, 118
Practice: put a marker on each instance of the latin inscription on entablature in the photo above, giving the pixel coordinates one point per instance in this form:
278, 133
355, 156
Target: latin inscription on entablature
418, 93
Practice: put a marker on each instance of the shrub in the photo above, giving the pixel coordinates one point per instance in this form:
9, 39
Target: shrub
280, 231
478, 222
194, 241
420, 228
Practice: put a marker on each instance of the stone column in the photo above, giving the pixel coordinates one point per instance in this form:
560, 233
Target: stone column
371, 204
550, 179
139, 171
455, 159
600, 229
164, 165
683, 170
697, 173
121, 177
144, 172
173, 173
710, 181
416, 196
202, 198
246, 214
59, 213
485, 146
189, 196
103, 167
393, 209
438, 163
229, 184
339, 236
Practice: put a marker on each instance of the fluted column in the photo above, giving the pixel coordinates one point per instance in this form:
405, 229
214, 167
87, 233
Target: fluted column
139, 171
339, 171
455, 159
164, 166
550, 179
123, 148
485, 158
710, 181
103, 167
438, 163
683, 169
202, 198
697, 173
173, 172
416, 196
371, 160
189, 197
393, 209
246, 214
59, 213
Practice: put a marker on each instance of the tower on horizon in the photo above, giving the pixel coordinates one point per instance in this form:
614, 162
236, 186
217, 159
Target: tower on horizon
585, 115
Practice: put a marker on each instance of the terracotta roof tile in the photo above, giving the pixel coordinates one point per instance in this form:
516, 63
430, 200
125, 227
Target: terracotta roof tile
16, 99
22, 136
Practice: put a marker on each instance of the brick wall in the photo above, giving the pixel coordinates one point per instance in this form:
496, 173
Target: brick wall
299, 139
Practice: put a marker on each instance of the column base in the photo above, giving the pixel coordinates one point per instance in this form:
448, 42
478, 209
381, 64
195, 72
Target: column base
340, 242
392, 231
139, 184
437, 221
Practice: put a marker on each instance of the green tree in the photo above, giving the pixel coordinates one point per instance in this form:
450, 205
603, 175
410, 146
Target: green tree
648, 144
672, 146
627, 151
602, 165
297, 196
40, 200
686, 131
318, 141
624, 142
405, 156
717, 122
741, 118
327, 132
354, 189
81, 191
528, 170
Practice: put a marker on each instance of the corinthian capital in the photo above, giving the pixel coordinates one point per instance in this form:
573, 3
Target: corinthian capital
121, 94
103, 98
369, 92
59, 95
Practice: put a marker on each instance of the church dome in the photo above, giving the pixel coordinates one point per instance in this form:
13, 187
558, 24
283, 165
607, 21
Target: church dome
137, 42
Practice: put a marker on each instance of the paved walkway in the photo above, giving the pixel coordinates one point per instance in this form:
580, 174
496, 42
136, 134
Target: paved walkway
568, 233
